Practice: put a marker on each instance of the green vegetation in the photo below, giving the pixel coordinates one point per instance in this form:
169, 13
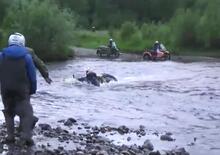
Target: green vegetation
47, 29
91, 39
52, 26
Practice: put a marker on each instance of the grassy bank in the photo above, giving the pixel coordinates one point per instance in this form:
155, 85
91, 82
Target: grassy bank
89, 39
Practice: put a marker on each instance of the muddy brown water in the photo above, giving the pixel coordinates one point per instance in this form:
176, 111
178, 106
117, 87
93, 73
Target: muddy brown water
182, 98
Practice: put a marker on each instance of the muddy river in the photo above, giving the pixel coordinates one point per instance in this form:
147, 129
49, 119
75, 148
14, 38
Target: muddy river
181, 98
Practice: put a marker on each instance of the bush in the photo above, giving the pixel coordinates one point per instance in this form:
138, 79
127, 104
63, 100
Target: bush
46, 28
127, 30
208, 27
91, 39
183, 26
152, 32
148, 30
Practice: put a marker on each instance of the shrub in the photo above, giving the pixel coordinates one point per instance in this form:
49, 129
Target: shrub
46, 28
127, 30
208, 27
152, 32
183, 26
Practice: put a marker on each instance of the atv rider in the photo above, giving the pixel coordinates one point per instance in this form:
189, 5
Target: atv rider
156, 48
112, 46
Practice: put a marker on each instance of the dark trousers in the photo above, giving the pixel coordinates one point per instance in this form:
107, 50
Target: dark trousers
17, 103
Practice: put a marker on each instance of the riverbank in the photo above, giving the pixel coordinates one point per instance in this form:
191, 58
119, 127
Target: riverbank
85, 52
76, 138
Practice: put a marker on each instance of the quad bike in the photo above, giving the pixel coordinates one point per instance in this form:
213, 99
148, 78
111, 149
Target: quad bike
105, 51
155, 56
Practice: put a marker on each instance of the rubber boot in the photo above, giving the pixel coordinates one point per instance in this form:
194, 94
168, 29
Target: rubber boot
26, 134
9, 120
35, 120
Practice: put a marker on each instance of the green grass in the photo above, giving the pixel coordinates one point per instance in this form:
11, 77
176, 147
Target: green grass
89, 39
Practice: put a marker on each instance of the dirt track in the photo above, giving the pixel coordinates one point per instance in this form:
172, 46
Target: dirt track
84, 52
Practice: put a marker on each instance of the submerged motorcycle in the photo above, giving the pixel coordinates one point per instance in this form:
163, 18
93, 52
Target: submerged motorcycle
97, 80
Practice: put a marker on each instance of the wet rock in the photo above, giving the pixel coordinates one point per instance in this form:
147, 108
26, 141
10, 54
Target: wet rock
102, 140
123, 130
93, 151
156, 133
129, 139
140, 133
105, 129
89, 142
142, 127
177, 151
148, 145
146, 151
194, 139
134, 148
180, 151
102, 153
125, 153
45, 127
58, 130
191, 144
155, 153
80, 153
61, 121
95, 130
169, 133
1, 148
166, 137
70, 122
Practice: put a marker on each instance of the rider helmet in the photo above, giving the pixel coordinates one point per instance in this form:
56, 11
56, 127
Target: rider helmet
156, 42
16, 39
111, 40
88, 70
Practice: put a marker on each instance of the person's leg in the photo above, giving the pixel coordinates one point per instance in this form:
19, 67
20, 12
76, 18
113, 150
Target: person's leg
9, 117
9, 121
25, 112
35, 120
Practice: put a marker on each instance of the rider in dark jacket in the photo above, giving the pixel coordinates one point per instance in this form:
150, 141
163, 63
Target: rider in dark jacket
156, 47
112, 46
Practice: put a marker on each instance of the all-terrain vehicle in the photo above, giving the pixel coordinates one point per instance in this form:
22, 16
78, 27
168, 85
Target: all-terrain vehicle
105, 51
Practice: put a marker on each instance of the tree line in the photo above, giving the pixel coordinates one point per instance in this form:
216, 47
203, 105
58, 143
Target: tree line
50, 25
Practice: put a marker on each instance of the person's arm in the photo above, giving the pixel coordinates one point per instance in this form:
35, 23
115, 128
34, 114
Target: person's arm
31, 72
0, 55
40, 66
114, 45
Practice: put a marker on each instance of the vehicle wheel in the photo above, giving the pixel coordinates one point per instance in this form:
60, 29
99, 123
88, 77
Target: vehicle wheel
167, 57
117, 54
146, 57
98, 52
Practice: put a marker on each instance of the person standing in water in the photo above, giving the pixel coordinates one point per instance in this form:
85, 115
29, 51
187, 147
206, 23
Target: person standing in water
18, 83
